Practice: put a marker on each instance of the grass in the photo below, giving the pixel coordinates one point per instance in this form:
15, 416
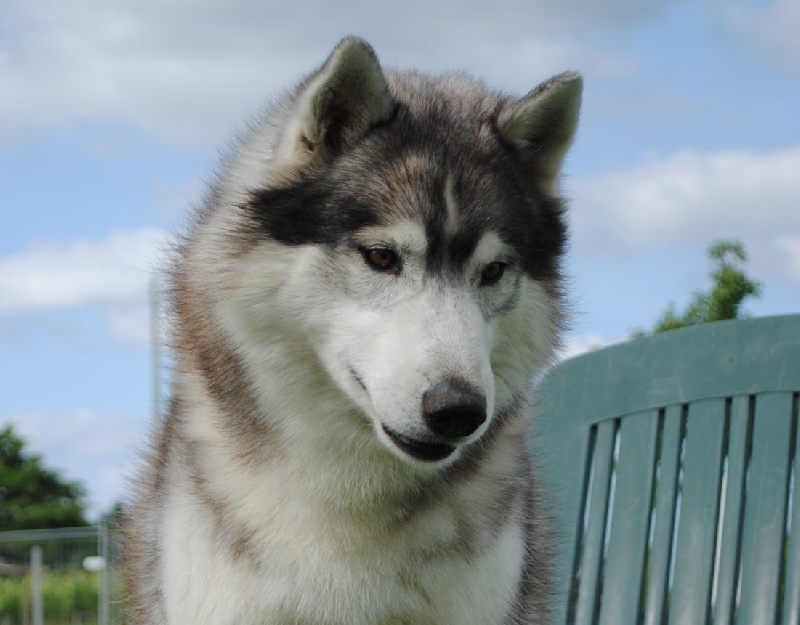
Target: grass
69, 598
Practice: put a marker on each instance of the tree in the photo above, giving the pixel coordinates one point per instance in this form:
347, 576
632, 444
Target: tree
32, 496
731, 286
114, 517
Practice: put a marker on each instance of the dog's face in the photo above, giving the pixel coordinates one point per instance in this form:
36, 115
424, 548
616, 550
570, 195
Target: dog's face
413, 227
427, 352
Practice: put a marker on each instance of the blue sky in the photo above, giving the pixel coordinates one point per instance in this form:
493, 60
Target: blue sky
111, 118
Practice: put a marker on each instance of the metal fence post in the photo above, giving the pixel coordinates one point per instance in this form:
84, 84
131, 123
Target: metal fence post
103, 577
36, 576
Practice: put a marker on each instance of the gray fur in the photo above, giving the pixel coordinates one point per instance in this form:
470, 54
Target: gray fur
375, 235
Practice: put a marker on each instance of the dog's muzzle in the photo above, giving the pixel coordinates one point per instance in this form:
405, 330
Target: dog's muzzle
419, 450
452, 411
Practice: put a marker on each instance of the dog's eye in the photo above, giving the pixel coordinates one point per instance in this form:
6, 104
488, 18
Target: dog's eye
492, 273
381, 258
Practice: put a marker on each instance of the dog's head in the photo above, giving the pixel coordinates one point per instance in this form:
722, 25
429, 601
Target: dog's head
406, 233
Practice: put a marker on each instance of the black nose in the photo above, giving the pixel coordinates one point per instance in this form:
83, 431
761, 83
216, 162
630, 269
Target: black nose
454, 409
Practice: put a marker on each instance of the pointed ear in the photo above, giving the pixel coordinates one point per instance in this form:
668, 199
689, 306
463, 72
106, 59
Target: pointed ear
337, 105
542, 125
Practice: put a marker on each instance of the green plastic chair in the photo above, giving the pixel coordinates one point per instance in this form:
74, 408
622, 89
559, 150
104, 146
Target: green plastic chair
673, 463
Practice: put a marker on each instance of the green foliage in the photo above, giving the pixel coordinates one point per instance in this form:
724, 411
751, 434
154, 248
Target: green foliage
15, 597
32, 496
112, 519
66, 597
731, 286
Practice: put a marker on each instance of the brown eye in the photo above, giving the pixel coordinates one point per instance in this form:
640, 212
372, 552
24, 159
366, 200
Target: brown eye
492, 273
381, 258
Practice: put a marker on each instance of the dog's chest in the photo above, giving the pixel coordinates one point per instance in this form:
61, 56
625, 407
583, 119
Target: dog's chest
421, 575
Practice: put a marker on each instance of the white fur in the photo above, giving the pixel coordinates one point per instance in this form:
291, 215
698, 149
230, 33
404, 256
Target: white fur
324, 519
345, 570
451, 206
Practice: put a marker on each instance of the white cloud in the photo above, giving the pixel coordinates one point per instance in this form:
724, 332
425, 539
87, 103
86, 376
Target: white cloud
790, 246
693, 198
188, 71
774, 28
130, 325
175, 197
111, 272
575, 345
97, 449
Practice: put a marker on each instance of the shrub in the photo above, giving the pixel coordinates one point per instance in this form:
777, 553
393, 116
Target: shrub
69, 597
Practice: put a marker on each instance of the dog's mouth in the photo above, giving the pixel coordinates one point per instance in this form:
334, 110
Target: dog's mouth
419, 450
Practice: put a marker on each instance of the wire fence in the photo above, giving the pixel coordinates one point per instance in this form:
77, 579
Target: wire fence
60, 577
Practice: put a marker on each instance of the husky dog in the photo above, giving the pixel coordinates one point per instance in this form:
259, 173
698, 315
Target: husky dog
359, 310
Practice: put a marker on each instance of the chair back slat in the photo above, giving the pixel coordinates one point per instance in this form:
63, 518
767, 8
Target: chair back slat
734, 475
698, 509
663, 524
629, 521
764, 533
595, 515
791, 599
673, 465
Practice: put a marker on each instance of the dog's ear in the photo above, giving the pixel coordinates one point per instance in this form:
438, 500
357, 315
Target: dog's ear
337, 104
542, 125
